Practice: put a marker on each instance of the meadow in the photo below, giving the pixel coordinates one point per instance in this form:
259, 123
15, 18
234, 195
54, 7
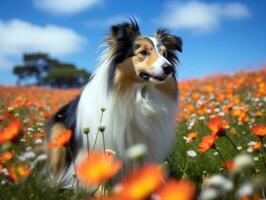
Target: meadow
219, 153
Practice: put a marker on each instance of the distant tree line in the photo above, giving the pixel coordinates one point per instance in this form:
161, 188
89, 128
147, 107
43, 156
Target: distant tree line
45, 71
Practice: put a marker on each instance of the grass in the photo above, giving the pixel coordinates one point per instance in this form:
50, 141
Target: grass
242, 104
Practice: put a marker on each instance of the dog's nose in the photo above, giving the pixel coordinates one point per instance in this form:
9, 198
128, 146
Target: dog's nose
168, 69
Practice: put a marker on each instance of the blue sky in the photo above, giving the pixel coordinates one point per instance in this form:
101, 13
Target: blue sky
218, 36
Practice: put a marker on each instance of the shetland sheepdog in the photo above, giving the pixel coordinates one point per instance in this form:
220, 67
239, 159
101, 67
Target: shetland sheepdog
135, 82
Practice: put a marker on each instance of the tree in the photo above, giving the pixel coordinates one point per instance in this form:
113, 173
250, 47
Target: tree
66, 75
46, 71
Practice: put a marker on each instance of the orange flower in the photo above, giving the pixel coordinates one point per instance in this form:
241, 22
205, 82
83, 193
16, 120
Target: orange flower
177, 190
230, 164
38, 135
141, 183
252, 197
191, 136
255, 146
61, 139
259, 130
18, 172
207, 142
6, 156
97, 167
10, 132
217, 125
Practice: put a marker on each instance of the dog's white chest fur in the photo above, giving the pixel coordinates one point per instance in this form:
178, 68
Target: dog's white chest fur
141, 115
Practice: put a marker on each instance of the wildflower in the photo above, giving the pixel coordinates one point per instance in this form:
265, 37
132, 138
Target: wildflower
243, 161
10, 132
209, 194
110, 151
140, 183
6, 156
181, 190
254, 146
218, 125
230, 164
136, 151
207, 142
256, 158
259, 130
101, 128
220, 182
28, 155
191, 137
191, 153
38, 135
97, 167
245, 190
18, 172
61, 139
86, 130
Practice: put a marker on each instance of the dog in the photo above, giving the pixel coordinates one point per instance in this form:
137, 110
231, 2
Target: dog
135, 86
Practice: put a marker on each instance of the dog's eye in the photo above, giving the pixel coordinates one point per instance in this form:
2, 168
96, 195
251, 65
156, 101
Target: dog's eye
144, 53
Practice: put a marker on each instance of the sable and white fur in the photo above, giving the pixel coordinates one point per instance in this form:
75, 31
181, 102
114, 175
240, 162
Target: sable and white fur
138, 111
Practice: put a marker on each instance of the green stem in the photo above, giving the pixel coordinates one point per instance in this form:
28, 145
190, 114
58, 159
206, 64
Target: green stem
185, 168
88, 145
221, 156
96, 138
231, 141
104, 148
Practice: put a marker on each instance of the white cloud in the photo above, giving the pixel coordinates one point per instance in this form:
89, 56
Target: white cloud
104, 23
65, 7
18, 37
201, 17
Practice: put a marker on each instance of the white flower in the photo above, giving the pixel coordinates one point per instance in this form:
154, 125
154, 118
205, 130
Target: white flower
220, 181
221, 114
246, 189
202, 118
243, 161
3, 182
5, 171
27, 156
30, 129
38, 141
208, 194
186, 139
136, 151
39, 158
110, 151
256, 158
239, 148
191, 153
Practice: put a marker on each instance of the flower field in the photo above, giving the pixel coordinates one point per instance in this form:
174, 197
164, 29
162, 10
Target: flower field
220, 150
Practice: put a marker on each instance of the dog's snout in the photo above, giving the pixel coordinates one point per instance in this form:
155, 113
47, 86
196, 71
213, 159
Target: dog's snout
168, 69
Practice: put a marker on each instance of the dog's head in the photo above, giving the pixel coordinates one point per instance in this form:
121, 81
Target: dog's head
142, 58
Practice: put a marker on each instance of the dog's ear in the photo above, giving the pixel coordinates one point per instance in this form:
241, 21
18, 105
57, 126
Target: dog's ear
172, 42
124, 31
